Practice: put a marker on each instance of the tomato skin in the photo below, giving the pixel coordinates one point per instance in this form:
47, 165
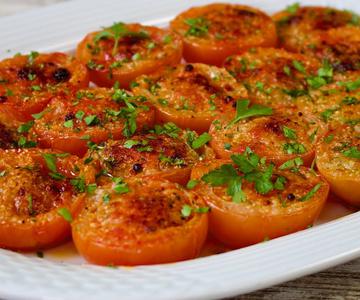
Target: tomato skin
226, 21
163, 54
135, 245
37, 225
46, 76
191, 95
340, 171
52, 133
239, 224
46, 233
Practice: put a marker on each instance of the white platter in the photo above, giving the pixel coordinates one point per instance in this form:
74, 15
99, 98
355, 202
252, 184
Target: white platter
63, 275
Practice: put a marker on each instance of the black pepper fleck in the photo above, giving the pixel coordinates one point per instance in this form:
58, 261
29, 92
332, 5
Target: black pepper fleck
61, 75
137, 168
69, 116
189, 68
290, 196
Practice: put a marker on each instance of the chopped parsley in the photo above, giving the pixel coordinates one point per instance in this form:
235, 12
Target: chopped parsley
65, 213
197, 26
293, 8
243, 111
24, 128
289, 133
352, 152
294, 148
311, 193
186, 211
116, 32
191, 184
201, 140
248, 167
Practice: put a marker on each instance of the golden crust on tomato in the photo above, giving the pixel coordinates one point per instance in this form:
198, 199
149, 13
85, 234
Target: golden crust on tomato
213, 32
29, 82
190, 95
252, 201
338, 160
122, 52
91, 115
149, 222
36, 186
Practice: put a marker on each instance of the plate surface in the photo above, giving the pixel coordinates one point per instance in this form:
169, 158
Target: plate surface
64, 276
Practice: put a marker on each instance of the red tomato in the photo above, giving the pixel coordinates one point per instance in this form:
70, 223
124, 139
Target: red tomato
92, 115
163, 153
300, 29
278, 138
191, 96
274, 77
259, 212
150, 222
39, 190
213, 32
122, 52
28, 83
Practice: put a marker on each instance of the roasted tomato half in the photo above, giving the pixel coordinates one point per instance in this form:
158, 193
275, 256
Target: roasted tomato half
300, 28
144, 222
335, 107
91, 116
278, 137
41, 192
190, 95
252, 201
124, 51
29, 82
274, 77
213, 32
338, 160
340, 47
164, 152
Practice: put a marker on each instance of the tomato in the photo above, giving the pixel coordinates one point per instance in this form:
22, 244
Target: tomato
163, 153
337, 108
155, 221
288, 207
213, 32
32, 197
338, 160
278, 138
274, 77
122, 52
341, 47
190, 95
29, 82
300, 29
92, 115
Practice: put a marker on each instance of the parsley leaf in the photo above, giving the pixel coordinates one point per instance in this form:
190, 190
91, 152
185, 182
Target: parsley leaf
293, 8
243, 111
311, 193
191, 184
198, 26
186, 211
201, 140
352, 152
23, 128
289, 133
65, 213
